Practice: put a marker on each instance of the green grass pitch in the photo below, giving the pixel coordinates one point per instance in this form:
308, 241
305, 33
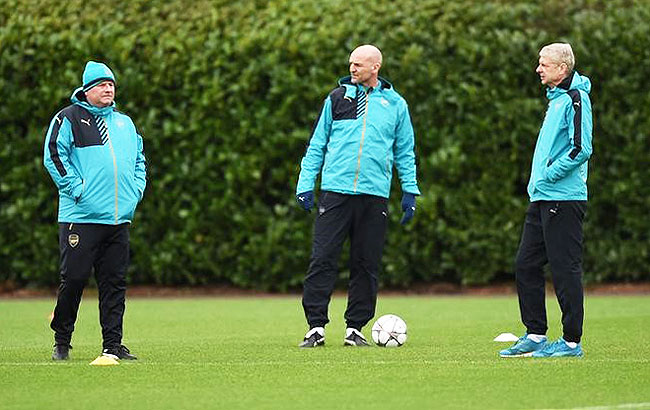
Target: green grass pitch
241, 353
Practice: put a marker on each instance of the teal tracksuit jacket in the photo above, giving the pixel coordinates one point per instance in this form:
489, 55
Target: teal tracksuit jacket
559, 168
357, 139
95, 157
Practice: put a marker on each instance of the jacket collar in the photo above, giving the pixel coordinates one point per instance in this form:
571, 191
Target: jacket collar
351, 89
383, 83
566, 83
79, 97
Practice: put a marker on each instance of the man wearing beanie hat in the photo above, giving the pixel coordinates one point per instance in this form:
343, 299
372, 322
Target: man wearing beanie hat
95, 157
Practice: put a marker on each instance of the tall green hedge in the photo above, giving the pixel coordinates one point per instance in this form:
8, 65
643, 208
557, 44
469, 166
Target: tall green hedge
225, 94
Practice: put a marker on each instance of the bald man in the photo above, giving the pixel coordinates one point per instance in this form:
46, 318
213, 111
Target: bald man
364, 128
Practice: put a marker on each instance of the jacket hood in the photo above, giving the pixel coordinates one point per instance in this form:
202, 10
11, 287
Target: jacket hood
573, 82
79, 97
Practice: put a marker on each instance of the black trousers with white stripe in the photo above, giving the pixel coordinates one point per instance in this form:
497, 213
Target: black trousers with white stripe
552, 234
84, 248
362, 218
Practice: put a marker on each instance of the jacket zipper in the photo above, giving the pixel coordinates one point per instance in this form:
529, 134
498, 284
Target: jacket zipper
110, 144
363, 135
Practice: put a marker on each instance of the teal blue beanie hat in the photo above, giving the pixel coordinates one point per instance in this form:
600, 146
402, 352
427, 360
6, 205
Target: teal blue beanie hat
95, 73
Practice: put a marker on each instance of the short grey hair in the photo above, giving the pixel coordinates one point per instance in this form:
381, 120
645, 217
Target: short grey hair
559, 53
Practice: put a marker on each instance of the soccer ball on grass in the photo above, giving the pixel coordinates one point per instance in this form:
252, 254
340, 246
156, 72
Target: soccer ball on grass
389, 331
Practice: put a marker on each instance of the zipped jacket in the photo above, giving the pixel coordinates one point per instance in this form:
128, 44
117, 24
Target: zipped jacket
359, 135
95, 157
559, 168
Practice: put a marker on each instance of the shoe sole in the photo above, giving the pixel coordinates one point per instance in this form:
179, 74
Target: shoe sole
559, 355
351, 343
320, 342
529, 354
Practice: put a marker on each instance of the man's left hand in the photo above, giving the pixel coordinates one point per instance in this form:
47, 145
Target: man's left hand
306, 200
408, 206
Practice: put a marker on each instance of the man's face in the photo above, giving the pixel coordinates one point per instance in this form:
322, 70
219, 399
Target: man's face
101, 95
551, 73
362, 68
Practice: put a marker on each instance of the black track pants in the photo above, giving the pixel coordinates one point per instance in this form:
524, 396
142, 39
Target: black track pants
84, 247
364, 219
552, 234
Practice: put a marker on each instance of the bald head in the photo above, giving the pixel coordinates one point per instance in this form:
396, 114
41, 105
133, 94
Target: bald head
368, 52
365, 62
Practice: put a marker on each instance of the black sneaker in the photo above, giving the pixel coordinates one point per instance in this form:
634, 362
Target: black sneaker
120, 352
61, 352
315, 337
353, 337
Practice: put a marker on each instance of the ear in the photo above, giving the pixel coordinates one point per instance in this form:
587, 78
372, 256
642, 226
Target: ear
565, 68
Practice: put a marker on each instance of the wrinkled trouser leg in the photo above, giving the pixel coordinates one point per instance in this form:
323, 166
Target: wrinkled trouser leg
367, 237
78, 245
110, 272
529, 268
331, 228
563, 233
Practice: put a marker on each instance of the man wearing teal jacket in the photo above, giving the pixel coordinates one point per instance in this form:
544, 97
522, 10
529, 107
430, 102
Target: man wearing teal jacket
558, 200
363, 131
95, 157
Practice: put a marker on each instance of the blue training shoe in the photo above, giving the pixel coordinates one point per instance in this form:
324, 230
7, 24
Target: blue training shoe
559, 348
523, 348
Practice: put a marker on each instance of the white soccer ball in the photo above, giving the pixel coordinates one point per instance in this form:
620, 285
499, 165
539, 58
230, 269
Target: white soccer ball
389, 331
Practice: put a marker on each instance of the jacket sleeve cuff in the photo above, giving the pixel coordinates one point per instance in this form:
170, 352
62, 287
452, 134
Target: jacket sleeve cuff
303, 186
411, 189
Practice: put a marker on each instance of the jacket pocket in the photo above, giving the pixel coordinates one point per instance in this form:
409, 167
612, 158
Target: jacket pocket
83, 189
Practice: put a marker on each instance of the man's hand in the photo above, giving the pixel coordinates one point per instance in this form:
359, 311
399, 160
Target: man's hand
408, 206
306, 200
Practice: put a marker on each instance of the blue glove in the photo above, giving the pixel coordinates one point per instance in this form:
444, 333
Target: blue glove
306, 200
408, 206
